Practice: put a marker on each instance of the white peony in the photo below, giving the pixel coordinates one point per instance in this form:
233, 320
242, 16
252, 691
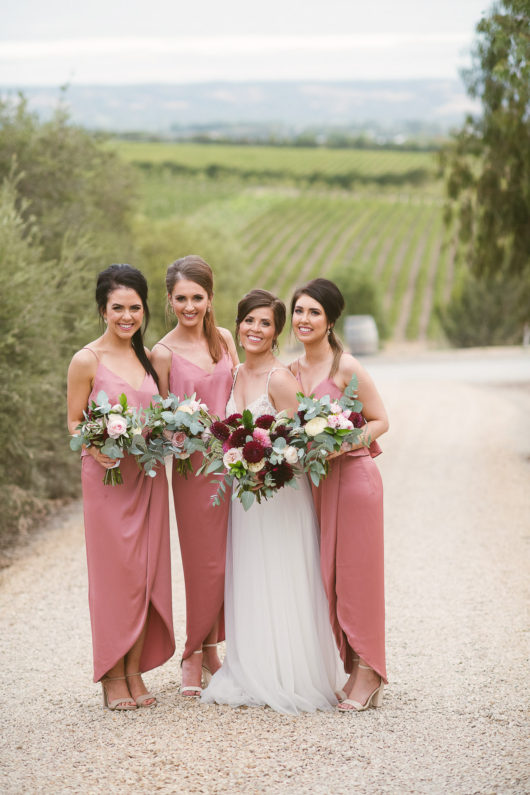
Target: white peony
290, 454
315, 426
186, 408
117, 408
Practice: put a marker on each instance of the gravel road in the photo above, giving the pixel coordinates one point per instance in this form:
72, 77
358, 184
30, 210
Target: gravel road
456, 468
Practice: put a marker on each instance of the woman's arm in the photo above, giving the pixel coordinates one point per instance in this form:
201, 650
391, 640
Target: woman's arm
373, 409
81, 373
161, 360
283, 387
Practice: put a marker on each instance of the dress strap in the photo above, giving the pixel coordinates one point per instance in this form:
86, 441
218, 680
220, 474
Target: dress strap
234, 379
163, 344
269, 377
86, 348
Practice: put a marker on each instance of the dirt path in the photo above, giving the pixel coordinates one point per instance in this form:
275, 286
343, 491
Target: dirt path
455, 467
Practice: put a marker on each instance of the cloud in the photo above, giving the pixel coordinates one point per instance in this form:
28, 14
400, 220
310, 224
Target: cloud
223, 45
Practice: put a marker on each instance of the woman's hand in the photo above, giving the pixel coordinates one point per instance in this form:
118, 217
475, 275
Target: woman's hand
101, 458
346, 447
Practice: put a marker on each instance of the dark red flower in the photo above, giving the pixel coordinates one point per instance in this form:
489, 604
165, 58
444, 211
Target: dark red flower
280, 430
234, 419
253, 452
301, 416
357, 419
220, 431
281, 473
239, 437
264, 421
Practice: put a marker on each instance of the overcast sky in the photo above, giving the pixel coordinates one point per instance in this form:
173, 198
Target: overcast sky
145, 41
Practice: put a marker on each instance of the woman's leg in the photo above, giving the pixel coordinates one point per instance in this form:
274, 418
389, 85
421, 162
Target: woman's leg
115, 683
132, 666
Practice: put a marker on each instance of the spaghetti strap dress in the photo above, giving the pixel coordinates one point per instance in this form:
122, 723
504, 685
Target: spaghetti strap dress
280, 650
127, 544
201, 525
349, 506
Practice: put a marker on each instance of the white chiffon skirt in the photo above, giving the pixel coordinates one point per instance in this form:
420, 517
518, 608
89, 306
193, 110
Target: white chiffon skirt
280, 649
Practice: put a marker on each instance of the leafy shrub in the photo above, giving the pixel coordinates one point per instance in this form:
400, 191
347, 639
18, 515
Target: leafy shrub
483, 311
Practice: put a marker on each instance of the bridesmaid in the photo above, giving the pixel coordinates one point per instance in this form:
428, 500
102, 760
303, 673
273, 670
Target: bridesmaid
126, 526
196, 356
349, 502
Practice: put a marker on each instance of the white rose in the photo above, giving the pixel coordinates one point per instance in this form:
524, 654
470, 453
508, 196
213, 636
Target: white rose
290, 454
257, 466
116, 426
186, 408
315, 426
117, 407
194, 405
137, 431
232, 456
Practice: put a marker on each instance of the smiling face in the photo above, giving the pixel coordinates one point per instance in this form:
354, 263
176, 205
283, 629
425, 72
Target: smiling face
309, 320
124, 312
189, 302
257, 330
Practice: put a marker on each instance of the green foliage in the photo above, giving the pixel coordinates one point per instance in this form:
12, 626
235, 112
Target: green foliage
64, 208
71, 183
361, 296
487, 164
482, 311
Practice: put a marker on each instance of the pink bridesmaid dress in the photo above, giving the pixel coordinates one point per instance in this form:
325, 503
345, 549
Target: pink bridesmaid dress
202, 527
349, 506
127, 543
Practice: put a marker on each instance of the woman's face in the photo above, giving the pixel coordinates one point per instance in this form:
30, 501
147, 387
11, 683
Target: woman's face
189, 302
257, 330
124, 312
309, 320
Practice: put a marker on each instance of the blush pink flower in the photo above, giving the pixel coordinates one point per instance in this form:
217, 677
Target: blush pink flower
116, 426
261, 435
178, 438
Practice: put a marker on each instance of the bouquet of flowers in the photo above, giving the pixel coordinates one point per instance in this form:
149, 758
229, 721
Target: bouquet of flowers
255, 454
114, 429
176, 427
322, 426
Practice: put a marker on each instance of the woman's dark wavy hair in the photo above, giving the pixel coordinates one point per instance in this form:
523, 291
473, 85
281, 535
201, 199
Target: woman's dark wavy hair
331, 299
126, 276
197, 270
256, 299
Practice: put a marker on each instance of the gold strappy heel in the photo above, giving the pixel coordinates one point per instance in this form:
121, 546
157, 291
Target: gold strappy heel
116, 703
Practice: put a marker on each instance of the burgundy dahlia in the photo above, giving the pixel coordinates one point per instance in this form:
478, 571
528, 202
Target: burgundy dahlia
264, 421
281, 473
357, 419
220, 431
253, 452
234, 419
239, 437
280, 430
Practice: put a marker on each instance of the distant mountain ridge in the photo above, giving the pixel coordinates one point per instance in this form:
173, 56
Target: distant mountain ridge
162, 109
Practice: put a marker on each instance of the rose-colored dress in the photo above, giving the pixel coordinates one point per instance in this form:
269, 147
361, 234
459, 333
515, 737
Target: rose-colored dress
349, 506
201, 526
127, 543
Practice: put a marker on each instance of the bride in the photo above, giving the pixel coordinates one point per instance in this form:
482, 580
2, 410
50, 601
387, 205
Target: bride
280, 650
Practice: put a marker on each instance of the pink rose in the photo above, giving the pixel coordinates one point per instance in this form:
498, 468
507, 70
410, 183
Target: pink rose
333, 421
344, 423
232, 456
335, 407
178, 439
116, 425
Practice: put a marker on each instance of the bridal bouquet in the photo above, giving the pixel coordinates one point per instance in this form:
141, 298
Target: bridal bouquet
114, 429
178, 428
322, 426
254, 454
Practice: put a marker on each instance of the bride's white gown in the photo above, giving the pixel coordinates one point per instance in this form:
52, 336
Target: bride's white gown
280, 649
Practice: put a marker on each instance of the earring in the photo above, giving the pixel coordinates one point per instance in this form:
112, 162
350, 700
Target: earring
329, 331
275, 347
105, 320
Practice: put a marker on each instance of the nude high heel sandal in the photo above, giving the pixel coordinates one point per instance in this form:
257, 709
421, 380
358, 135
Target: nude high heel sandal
116, 703
375, 699
191, 691
140, 700
206, 673
341, 694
